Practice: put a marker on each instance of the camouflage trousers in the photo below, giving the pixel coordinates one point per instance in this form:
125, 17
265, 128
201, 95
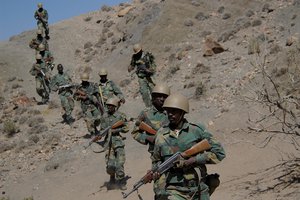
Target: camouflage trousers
173, 194
92, 120
67, 102
45, 26
42, 88
115, 159
146, 85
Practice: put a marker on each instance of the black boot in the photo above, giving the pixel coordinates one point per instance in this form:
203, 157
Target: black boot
122, 184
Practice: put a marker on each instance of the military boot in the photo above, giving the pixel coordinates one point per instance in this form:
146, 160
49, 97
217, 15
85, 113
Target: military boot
122, 184
70, 120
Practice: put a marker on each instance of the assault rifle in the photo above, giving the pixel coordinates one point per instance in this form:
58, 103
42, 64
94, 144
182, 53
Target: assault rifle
170, 162
68, 86
145, 127
104, 132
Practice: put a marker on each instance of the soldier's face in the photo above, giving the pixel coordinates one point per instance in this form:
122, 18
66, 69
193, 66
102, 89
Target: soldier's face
60, 70
103, 79
175, 116
111, 109
158, 100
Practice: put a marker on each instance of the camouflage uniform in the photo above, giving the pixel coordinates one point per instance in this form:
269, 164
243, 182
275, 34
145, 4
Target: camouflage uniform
144, 78
89, 105
40, 72
108, 90
65, 94
47, 58
183, 183
155, 119
115, 155
41, 15
35, 42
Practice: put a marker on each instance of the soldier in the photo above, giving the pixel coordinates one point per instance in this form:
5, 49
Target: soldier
47, 56
182, 181
35, 42
88, 95
145, 69
62, 83
41, 15
115, 154
155, 117
39, 70
107, 88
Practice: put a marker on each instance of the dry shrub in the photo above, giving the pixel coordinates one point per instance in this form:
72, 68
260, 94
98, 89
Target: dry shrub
199, 91
10, 128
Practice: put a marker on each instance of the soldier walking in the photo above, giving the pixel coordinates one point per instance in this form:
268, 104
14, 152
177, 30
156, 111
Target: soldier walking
40, 72
182, 181
46, 56
35, 42
41, 15
108, 88
145, 69
115, 154
62, 83
88, 95
155, 117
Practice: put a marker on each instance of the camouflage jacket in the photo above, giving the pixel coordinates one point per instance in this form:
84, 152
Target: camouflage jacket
114, 137
146, 61
153, 118
43, 15
109, 89
38, 70
47, 57
60, 80
35, 42
169, 142
91, 102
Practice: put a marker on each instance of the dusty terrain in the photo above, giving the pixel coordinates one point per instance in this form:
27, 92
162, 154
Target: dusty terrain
45, 159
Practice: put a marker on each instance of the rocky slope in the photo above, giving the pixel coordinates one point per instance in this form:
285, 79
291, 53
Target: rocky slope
44, 159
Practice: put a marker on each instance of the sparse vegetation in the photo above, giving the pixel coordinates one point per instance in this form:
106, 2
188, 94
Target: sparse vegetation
10, 128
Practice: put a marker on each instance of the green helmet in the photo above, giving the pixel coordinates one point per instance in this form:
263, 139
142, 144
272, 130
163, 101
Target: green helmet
137, 48
39, 32
161, 88
38, 56
113, 101
42, 47
85, 77
177, 101
102, 72
39, 5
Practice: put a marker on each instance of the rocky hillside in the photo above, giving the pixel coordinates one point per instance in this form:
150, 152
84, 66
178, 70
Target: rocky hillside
235, 60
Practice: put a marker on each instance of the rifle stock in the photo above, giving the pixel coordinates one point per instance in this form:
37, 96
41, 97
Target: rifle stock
104, 132
145, 127
170, 162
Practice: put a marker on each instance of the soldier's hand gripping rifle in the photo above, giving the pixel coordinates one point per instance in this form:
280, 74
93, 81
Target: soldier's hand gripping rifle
170, 162
145, 127
104, 132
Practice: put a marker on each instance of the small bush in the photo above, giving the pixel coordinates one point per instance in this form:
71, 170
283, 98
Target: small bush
199, 90
10, 128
